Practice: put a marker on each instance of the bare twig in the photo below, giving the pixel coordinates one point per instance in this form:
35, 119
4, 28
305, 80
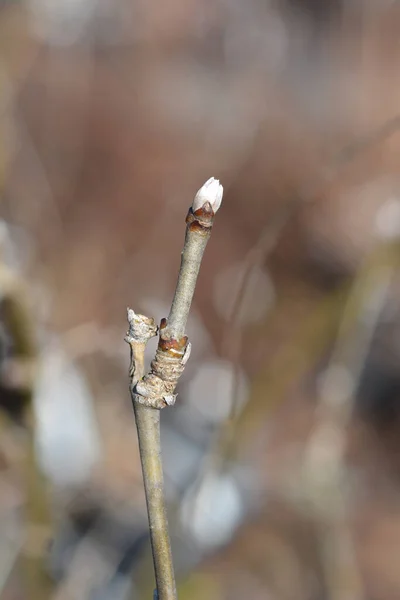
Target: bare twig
156, 390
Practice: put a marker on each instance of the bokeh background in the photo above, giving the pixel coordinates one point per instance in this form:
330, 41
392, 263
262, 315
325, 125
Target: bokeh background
282, 453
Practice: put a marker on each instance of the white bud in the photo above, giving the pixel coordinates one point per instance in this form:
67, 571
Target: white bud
211, 192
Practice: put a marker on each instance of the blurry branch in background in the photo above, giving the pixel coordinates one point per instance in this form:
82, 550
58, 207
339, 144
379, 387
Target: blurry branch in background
217, 458
226, 438
154, 391
324, 483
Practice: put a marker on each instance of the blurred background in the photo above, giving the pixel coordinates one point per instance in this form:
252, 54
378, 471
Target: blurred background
282, 454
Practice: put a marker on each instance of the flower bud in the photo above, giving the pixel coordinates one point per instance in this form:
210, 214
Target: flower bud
210, 192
